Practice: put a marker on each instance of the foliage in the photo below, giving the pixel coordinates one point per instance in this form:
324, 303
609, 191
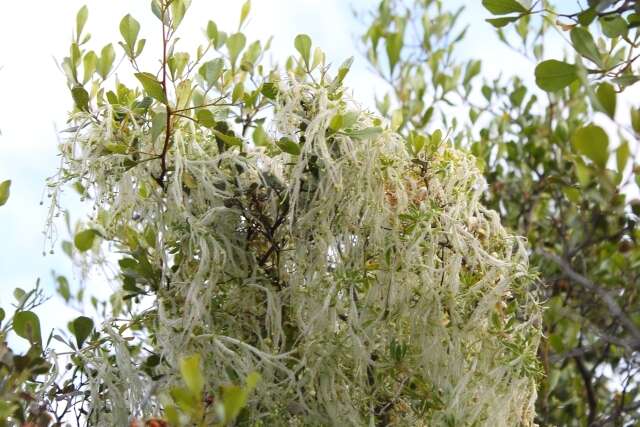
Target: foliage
5, 188
21, 399
555, 175
272, 234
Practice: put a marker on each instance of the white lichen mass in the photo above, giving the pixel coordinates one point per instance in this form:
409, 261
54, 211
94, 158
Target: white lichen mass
356, 272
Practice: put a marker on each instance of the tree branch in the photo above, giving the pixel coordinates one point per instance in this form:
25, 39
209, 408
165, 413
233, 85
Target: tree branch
591, 398
609, 300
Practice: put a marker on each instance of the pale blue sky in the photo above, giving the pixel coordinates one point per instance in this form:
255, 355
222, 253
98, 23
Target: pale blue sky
35, 99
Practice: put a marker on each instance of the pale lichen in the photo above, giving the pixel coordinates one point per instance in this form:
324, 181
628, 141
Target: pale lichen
363, 280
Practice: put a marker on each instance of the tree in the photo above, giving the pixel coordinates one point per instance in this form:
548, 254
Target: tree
284, 256
555, 175
20, 400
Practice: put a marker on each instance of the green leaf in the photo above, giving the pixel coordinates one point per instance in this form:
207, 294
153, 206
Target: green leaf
129, 28
84, 239
342, 72
2, 315
152, 86
192, 374
586, 17
592, 141
626, 80
156, 9
553, 75
517, 96
585, 45
158, 124
19, 294
635, 119
141, 45
238, 92
81, 20
345, 120
107, 56
622, 156
365, 133
269, 90
27, 325
244, 12
82, 327
63, 288
614, 26
212, 32
288, 146
503, 7
503, 21
114, 147
211, 70
234, 398
260, 137
177, 63
178, 10
228, 139
235, 44
252, 381
556, 342
5, 190
89, 63
302, 44
394, 45
583, 172
80, 97
606, 95
185, 400
397, 119
205, 118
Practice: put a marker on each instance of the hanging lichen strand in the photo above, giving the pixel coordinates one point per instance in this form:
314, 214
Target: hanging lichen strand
355, 272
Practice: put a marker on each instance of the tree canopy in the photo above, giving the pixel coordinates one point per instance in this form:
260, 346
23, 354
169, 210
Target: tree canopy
556, 176
465, 255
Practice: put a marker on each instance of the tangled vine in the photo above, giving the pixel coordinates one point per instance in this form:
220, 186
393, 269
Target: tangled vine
355, 271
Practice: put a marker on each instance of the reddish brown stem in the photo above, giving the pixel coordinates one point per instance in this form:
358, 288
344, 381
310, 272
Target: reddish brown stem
167, 136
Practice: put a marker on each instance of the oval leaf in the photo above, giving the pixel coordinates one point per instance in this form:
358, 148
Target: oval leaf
614, 26
235, 44
211, 70
302, 44
503, 21
192, 374
27, 325
107, 56
244, 12
394, 47
129, 28
622, 156
288, 146
84, 240
606, 95
592, 141
502, 7
81, 20
553, 75
5, 191
80, 97
365, 133
152, 86
585, 45
89, 62
82, 327
206, 118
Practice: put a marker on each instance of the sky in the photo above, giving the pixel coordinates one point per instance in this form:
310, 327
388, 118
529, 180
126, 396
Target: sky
35, 34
